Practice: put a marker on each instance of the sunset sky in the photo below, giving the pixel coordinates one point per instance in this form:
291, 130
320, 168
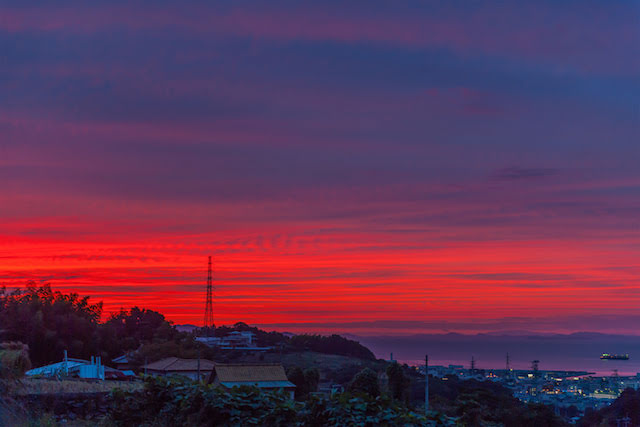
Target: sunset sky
351, 166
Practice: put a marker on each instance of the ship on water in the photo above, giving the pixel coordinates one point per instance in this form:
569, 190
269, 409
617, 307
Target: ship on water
607, 356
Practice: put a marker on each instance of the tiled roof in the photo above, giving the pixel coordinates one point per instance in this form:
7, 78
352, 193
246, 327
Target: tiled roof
176, 364
249, 373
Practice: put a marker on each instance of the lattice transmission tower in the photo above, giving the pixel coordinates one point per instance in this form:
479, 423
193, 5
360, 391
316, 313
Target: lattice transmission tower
208, 310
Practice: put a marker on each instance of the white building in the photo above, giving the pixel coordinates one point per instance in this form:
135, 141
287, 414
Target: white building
236, 340
71, 367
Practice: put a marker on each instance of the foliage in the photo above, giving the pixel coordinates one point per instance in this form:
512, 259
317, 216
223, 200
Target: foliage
306, 381
150, 335
365, 382
311, 379
346, 409
14, 360
344, 373
128, 329
50, 322
482, 407
166, 402
398, 382
334, 344
484, 403
627, 405
174, 403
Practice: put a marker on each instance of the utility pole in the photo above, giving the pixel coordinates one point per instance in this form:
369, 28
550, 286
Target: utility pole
199, 364
426, 384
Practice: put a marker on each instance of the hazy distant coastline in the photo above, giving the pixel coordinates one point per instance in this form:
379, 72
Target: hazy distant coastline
577, 351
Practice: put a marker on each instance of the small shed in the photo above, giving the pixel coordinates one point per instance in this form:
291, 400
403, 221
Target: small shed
263, 376
174, 366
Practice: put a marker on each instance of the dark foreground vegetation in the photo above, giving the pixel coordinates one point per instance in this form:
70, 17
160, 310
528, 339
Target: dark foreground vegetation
38, 324
168, 403
484, 403
624, 408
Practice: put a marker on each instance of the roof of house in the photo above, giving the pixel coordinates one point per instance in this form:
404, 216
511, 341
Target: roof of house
121, 359
171, 364
54, 368
264, 375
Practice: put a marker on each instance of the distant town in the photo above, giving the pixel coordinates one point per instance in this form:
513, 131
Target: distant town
570, 393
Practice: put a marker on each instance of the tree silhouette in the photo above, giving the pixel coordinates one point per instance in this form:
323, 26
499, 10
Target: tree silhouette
50, 322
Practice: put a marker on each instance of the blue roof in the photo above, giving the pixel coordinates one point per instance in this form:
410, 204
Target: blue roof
259, 384
122, 359
55, 368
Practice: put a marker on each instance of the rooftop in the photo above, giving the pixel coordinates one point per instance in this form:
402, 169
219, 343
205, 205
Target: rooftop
265, 375
177, 364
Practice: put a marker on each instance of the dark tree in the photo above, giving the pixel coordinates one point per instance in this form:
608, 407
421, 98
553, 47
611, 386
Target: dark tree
129, 329
627, 405
50, 322
399, 383
366, 382
296, 376
306, 381
311, 379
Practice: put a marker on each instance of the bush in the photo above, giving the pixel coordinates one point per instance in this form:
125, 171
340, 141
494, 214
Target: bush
399, 383
365, 382
175, 403
305, 381
348, 410
14, 360
627, 405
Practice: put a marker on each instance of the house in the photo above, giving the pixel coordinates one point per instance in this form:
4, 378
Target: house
69, 367
236, 340
79, 368
263, 376
174, 366
123, 362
